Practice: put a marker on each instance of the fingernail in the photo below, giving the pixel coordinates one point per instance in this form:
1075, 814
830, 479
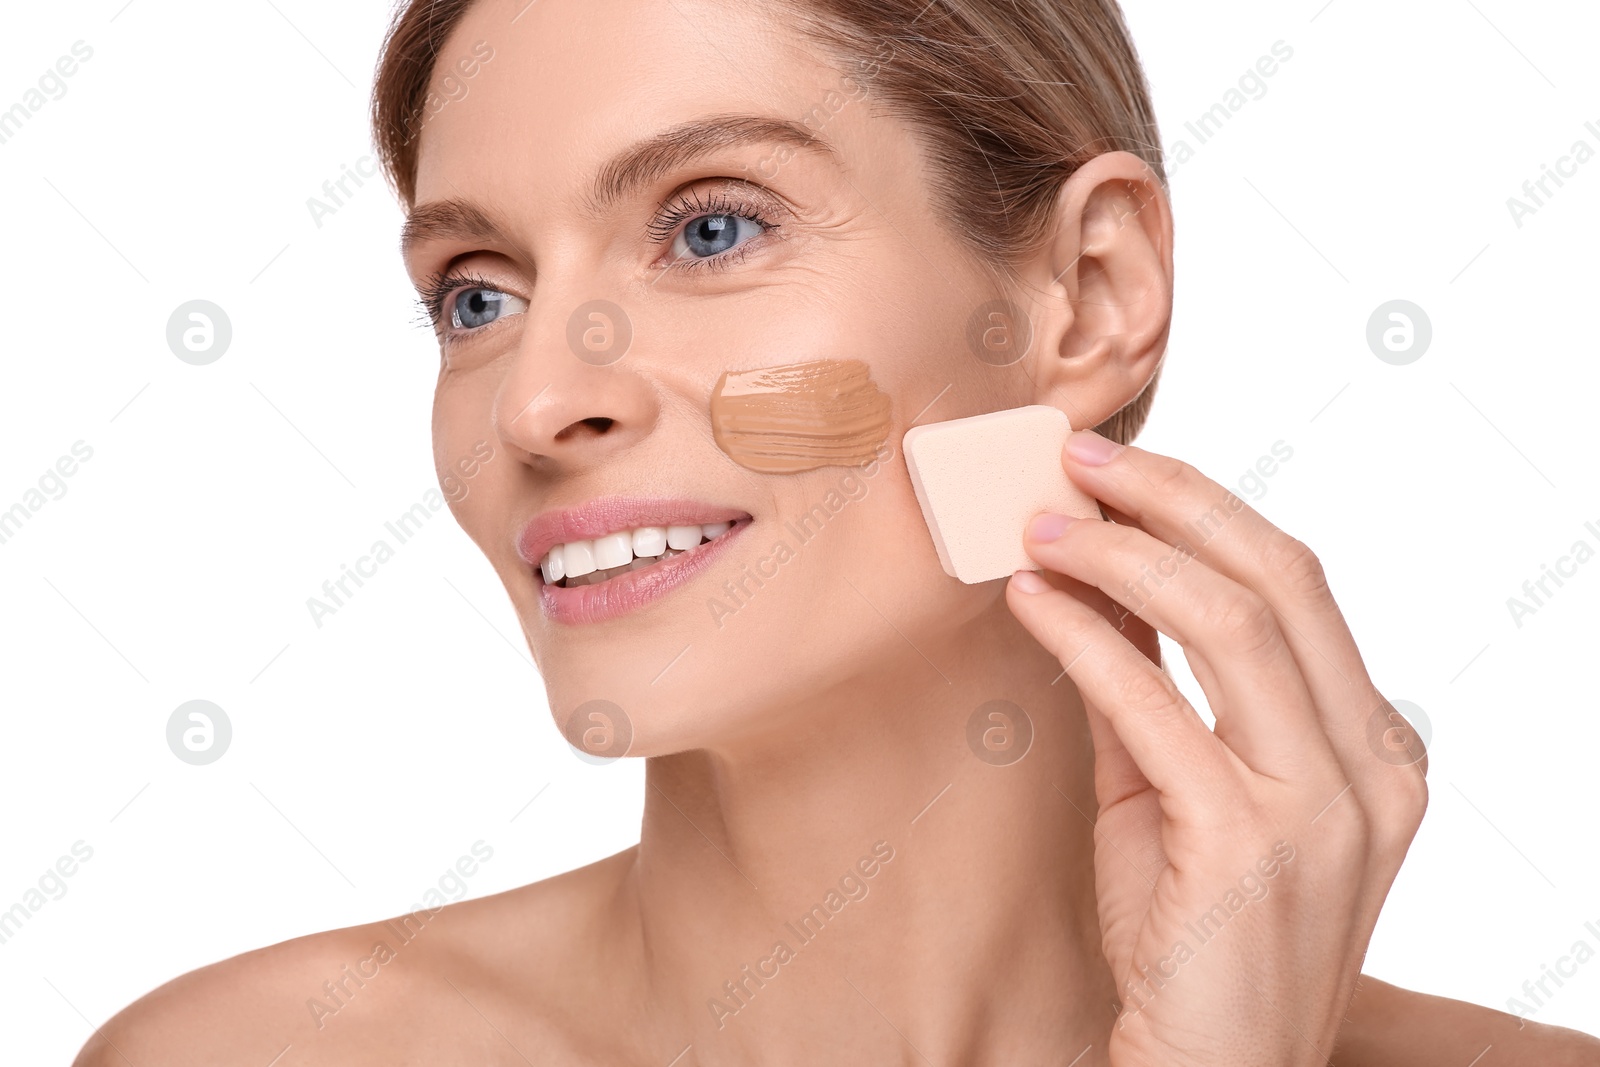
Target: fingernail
1090, 449
1029, 582
1047, 527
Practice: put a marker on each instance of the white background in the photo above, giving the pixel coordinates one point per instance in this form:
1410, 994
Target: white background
371, 753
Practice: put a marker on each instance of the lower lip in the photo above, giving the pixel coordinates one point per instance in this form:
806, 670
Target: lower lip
617, 596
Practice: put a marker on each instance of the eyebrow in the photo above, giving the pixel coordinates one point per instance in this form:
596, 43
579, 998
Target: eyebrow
636, 166
445, 220
650, 159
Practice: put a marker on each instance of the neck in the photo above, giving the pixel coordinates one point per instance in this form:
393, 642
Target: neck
859, 876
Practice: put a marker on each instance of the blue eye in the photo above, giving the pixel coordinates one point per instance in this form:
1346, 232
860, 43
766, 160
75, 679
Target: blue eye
711, 235
718, 231
478, 307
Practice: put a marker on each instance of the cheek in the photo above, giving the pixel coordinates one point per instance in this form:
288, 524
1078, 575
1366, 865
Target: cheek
800, 416
469, 461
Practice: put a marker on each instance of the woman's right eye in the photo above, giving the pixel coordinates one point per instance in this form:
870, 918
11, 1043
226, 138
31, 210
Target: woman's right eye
479, 306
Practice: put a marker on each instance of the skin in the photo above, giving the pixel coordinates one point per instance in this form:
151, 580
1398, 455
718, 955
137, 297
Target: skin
831, 712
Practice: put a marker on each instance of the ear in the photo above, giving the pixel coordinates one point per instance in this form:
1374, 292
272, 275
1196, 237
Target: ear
1103, 287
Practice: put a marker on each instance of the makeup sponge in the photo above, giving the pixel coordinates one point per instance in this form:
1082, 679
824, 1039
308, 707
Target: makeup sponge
980, 480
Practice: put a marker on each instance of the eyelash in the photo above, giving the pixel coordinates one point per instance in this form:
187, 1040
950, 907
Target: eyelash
438, 289
665, 227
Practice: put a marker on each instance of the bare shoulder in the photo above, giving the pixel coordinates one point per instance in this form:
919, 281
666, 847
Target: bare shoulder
499, 979
1387, 1026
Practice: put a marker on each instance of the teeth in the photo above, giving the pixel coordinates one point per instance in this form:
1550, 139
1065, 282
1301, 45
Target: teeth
613, 550
589, 562
554, 566
649, 540
683, 536
578, 556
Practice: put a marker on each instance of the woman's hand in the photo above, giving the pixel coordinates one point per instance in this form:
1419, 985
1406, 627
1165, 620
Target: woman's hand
1239, 871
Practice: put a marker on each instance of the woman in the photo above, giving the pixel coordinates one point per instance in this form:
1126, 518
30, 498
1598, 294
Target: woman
890, 816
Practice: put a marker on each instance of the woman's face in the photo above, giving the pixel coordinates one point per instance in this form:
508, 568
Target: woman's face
591, 308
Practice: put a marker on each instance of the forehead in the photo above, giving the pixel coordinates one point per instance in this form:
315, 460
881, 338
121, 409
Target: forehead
549, 90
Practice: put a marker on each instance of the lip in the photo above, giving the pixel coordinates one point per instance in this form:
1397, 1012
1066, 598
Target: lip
626, 592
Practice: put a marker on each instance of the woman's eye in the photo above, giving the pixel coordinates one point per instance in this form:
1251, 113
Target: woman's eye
711, 235
478, 307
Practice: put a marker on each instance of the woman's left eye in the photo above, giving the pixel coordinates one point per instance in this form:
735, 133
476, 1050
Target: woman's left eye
712, 232
479, 306
712, 235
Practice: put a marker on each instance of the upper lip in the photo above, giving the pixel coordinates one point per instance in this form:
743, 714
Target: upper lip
612, 514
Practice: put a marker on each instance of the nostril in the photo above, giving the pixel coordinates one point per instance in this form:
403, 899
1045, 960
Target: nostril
597, 423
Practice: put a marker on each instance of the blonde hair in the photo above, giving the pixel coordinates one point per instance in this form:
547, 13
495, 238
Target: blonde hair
1009, 98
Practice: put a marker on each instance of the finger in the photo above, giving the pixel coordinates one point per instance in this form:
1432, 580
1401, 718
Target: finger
1176, 503
1229, 633
1117, 776
1116, 773
1137, 631
1168, 741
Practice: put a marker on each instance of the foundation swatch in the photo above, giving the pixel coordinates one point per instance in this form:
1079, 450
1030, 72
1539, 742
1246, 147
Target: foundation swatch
801, 416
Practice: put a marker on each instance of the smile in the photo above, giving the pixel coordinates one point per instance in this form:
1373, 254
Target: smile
578, 563
615, 555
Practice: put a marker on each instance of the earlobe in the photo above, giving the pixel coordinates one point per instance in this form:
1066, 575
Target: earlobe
1106, 277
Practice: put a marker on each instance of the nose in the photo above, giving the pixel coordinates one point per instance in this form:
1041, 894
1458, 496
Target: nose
573, 396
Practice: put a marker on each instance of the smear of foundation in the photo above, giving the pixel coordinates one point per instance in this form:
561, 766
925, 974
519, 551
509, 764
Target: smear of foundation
801, 416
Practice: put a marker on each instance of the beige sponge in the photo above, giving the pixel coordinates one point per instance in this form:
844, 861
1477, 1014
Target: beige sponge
980, 480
